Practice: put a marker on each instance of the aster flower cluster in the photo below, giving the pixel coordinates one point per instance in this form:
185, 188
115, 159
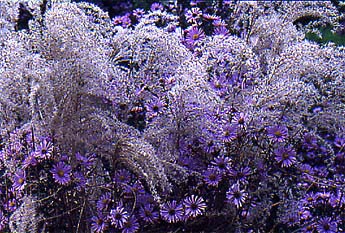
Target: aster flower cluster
193, 116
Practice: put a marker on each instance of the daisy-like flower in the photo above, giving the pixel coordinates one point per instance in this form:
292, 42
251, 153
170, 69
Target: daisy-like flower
157, 7
118, 217
240, 174
221, 31
138, 13
194, 206
131, 225
310, 199
286, 156
221, 162
229, 133
154, 107
19, 180
3, 221
194, 34
236, 196
80, 180
193, 15
11, 205
98, 224
277, 133
148, 214
86, 161
104, 201
240, 119
172, 212
29, 160
220, 84
326, 225
212, 177
122, 176
44, 149
61, 173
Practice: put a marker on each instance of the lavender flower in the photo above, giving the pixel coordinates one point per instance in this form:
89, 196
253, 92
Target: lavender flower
98, 224
229, 133
286, 156
277, 133
118, 217
326, 225
3, 221
148, 214
154, 107
104, 201
122, 176
212, 177
157, 7
44, 149
221, 162
236, 196
11, 205
194, 35
61, 173
194, 206
19, 180
240, 174
29, 160
172, 212
193, 15
131, 225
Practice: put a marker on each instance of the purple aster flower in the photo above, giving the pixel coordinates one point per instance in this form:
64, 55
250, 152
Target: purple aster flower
326, 225
80, 180
194, 34
309, 142
138, 13
339, 142
98, 224
304, 214
86, 161
44, 149
154, 107
29, 161
240, 174
229, 133
286, 156
277, 133
193, 15
219, 23
104, 201
61, 173
148, 214
221, 31
19, 180
236, 196
118, 217
172, 212
122, 176
156, 7
3, 221
291, 219
136, 189
126, 21
194, 206
220, 84
222, 163
131, 225
212, 177
240, 119
309, 199
11, 205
